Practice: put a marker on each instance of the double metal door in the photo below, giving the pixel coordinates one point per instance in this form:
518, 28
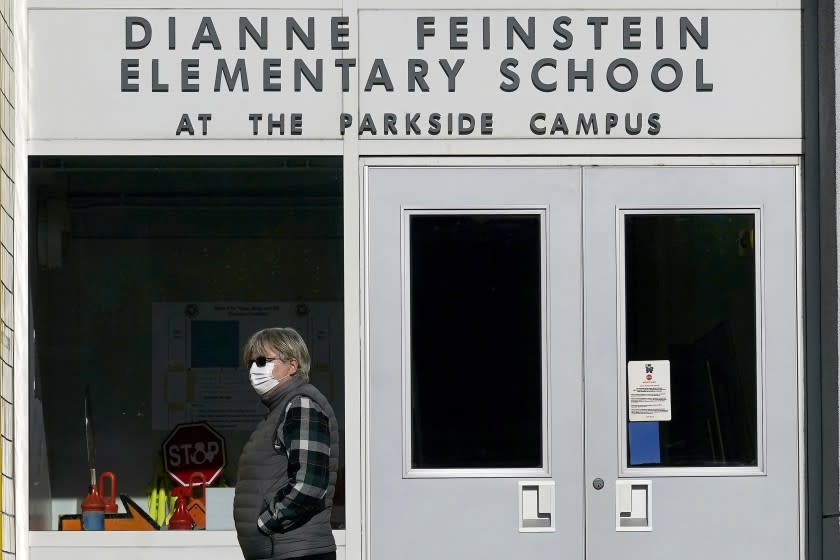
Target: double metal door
582, 362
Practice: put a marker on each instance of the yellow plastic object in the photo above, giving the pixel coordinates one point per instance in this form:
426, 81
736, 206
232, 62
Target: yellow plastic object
161, 505
153, 503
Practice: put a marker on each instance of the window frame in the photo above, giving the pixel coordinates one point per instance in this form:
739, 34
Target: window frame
406, 212
624, 468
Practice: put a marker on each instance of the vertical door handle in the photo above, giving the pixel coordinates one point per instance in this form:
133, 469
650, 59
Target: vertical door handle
633, 505
536, 506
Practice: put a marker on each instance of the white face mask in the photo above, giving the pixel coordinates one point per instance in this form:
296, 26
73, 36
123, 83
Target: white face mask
261, 379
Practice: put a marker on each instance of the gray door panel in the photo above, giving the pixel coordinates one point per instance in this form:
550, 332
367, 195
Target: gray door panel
705, 512
472, 514
719, 502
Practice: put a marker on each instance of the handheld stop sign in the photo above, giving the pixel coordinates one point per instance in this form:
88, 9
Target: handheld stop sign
194, 448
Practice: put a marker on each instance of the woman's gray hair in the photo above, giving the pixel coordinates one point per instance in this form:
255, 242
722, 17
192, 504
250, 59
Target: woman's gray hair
286, 341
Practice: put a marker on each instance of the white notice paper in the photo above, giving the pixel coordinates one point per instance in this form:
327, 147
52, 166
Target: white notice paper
649, 391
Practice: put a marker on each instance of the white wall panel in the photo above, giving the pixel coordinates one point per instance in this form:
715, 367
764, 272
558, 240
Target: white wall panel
76, 76
751, 66
129, 545
739, 81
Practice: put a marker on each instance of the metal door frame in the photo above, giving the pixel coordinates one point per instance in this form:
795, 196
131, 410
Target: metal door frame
804, 489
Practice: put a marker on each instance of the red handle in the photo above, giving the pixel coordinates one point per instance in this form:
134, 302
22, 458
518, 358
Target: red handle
110, 498
197, 479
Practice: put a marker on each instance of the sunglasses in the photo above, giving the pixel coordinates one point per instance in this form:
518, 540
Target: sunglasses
262, 360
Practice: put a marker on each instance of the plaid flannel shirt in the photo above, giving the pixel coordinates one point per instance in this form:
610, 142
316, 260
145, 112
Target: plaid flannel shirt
304, 435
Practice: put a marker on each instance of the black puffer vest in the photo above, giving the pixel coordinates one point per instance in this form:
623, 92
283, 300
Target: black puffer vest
264, 470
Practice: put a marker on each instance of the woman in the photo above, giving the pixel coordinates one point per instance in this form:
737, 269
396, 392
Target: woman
287, 470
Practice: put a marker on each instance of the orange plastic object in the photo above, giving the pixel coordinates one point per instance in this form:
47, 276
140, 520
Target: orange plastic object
134, 520
197, 504
93, 501
111, 497
93, 510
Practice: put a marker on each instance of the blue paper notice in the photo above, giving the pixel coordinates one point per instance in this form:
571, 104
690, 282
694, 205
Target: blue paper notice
214, 344
644, 443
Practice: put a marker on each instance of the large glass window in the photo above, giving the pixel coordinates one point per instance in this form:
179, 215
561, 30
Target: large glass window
690, 291
476, 341
148, 275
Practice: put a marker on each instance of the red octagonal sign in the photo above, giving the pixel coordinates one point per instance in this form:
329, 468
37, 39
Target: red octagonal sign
194, 448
